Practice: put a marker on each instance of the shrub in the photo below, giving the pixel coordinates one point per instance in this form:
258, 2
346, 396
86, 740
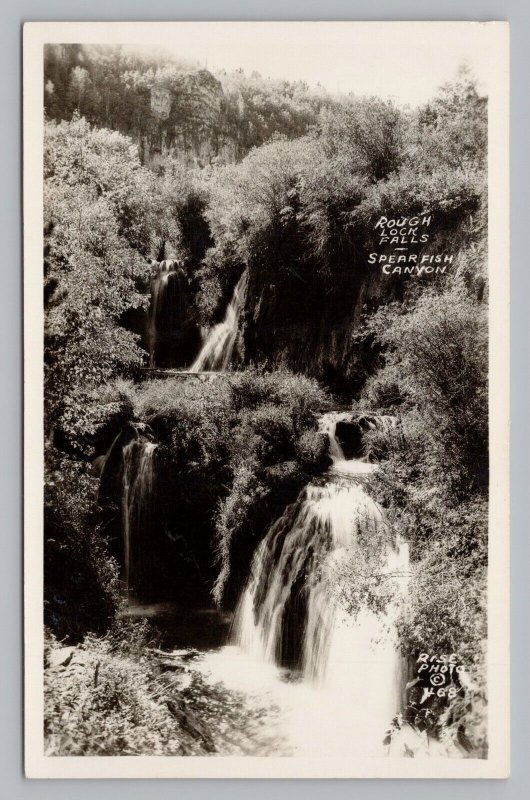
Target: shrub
240, 439
312, 451
436, 352
105, 704
81, 579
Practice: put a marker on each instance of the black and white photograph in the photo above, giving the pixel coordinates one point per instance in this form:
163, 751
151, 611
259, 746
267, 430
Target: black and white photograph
265, 315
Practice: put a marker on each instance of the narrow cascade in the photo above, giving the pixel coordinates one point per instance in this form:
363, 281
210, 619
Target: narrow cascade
159, 284
328, 425
138, 479
216, 352
292, 614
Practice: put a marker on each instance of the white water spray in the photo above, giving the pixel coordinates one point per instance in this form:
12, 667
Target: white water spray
216, 352
344, 684
159, 284
137, 501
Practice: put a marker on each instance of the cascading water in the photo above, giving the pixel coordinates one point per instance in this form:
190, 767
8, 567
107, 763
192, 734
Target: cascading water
292, 569
328, 425
344, 684
138, 480
216, 352
165, 270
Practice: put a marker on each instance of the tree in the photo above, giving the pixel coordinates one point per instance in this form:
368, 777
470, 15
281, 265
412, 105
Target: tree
94, 203
366, 136
452, 130
79, 84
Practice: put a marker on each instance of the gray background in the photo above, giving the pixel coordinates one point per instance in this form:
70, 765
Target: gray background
12, 783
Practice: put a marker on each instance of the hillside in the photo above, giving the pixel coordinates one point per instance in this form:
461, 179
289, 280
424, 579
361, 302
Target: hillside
175, 108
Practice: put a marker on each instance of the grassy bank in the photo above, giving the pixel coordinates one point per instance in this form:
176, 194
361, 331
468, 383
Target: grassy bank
119, 695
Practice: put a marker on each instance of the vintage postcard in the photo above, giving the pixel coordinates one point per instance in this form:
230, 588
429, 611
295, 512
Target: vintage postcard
266, 399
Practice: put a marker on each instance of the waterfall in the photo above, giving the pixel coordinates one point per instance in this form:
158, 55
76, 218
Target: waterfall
292, 612
328, 425
137, 501
159, 284
216, 352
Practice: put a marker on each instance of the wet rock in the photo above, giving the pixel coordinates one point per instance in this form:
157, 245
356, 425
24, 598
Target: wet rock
60, 657
350, 435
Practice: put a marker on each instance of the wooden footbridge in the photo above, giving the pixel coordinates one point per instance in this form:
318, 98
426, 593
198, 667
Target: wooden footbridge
181, 374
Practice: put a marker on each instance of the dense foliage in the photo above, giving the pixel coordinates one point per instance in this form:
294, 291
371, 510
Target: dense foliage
242, 447
434, 478
81, 587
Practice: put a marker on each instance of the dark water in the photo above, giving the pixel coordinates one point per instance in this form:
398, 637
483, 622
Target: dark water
180, 627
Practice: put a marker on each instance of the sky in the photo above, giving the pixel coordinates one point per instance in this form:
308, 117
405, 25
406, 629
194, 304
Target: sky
403, 61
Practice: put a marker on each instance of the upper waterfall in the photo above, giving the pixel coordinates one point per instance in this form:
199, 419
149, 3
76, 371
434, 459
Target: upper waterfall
218, 347
167, 307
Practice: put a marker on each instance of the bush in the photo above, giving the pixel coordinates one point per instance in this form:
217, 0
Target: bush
80, 578
312, 450
105, 703
243, 443
436, 351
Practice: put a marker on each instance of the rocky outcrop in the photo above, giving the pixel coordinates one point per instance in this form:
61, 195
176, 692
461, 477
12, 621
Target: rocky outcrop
307, 323
307, 316
185, 120
351, 428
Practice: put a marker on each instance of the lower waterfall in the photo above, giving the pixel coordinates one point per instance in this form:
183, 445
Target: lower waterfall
336, 671
137, 503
